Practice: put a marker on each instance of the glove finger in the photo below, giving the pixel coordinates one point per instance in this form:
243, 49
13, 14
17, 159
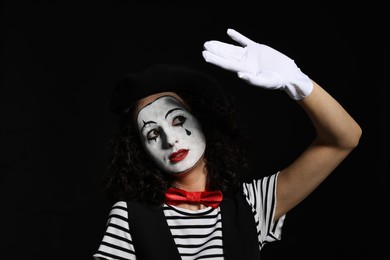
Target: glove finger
220, 61
225, 50
238, 37
266, 80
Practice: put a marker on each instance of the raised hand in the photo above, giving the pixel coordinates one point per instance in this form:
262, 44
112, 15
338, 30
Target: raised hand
259, 65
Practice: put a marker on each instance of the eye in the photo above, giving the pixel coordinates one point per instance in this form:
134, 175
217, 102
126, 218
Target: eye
153, 134
179, 121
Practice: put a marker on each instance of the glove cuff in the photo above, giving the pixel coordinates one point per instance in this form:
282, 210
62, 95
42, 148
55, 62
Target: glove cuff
300, 87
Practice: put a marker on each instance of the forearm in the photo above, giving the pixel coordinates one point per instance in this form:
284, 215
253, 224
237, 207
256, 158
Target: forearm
334, 126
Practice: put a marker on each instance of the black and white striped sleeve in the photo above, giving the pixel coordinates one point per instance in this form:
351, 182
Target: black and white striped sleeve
116, 243
261, 195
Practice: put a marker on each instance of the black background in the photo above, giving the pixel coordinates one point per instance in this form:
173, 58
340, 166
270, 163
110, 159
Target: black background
61, 58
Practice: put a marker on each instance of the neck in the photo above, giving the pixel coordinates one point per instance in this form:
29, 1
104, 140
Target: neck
192, 180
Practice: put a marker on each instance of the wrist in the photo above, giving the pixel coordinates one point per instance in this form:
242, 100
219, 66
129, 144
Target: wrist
300, 87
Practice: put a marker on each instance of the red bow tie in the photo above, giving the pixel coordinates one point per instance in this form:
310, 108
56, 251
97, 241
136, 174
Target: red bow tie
175, 196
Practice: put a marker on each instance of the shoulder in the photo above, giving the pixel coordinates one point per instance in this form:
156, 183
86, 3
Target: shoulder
264, 181
119, 205
260, 190
119, 208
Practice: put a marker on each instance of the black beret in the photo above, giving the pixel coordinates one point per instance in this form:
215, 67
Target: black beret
161, 78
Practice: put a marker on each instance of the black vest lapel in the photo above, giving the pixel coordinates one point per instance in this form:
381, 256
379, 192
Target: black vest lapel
151, 235
239, 229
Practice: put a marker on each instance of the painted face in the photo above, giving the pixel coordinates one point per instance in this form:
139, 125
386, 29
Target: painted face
171, 135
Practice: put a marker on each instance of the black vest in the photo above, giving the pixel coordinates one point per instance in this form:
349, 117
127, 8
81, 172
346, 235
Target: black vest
153, 240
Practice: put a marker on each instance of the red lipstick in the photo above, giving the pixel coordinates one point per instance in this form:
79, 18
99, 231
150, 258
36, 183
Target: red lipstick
178, 156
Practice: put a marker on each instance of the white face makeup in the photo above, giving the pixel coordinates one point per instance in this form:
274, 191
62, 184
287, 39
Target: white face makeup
171, 135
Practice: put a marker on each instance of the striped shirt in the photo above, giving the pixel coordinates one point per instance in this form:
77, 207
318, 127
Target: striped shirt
197, 233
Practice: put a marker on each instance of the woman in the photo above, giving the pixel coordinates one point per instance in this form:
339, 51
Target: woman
177, 174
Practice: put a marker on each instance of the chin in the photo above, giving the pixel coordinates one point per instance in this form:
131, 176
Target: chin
181, 172
185, 170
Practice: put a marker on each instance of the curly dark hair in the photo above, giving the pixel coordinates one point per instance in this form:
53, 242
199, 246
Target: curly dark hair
132, 175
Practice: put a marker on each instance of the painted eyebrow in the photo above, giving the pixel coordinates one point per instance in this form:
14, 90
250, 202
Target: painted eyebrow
170, 111
146, 123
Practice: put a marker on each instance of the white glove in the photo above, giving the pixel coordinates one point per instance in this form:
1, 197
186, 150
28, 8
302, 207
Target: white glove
259, 65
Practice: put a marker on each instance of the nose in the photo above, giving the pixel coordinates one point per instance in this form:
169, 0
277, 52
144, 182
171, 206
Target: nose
169, 138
